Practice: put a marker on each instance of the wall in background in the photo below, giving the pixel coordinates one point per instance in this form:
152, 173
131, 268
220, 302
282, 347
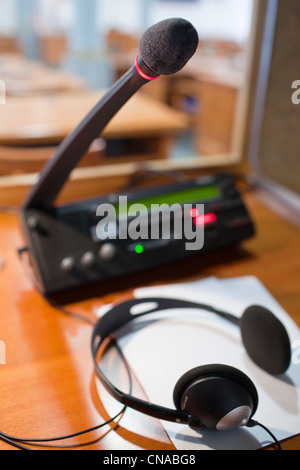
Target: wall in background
229, 19
7, 17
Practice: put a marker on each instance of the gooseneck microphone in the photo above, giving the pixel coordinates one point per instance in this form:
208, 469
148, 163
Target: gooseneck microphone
165, 48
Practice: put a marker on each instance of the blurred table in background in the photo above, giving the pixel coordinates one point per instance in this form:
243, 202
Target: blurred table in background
32, 126
24, 77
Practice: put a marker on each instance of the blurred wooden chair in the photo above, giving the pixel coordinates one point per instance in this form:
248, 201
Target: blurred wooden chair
228, 48
9, 45
117, 41
53, 49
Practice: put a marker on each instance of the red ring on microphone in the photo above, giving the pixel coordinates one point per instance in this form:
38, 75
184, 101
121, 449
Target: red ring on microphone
141, 73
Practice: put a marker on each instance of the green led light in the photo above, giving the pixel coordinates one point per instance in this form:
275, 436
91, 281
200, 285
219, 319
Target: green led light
139, 249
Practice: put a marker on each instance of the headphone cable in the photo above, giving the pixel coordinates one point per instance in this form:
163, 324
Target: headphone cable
252, 423
15, 441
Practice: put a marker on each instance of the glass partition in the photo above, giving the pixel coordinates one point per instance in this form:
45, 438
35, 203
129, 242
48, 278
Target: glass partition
57, 56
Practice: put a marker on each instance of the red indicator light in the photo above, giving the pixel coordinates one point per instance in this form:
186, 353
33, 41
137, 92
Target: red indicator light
205, 219
194, 213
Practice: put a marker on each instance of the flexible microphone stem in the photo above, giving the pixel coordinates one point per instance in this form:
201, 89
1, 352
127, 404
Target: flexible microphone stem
58, 168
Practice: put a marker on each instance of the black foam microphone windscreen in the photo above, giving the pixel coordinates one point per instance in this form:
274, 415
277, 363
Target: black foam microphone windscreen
266, 340
168, 45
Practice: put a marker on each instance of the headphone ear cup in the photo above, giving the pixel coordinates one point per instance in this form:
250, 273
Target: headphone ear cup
217, 396
265, 340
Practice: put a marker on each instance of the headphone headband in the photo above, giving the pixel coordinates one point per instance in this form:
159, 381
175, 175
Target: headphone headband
123, 313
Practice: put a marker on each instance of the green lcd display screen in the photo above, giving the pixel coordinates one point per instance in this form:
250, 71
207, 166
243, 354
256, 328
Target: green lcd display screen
186, 196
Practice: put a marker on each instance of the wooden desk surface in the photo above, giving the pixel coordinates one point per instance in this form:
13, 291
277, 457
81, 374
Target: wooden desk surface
47, 119
47, 385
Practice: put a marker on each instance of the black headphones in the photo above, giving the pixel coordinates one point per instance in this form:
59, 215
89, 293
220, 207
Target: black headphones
215, 396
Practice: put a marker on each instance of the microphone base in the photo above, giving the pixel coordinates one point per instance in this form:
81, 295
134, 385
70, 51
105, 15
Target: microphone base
66, 252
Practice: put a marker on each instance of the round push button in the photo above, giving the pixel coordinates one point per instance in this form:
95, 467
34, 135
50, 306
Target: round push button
107, 251
67, 264
87, 259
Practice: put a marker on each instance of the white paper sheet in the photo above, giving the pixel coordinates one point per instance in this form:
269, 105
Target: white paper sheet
160, 352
